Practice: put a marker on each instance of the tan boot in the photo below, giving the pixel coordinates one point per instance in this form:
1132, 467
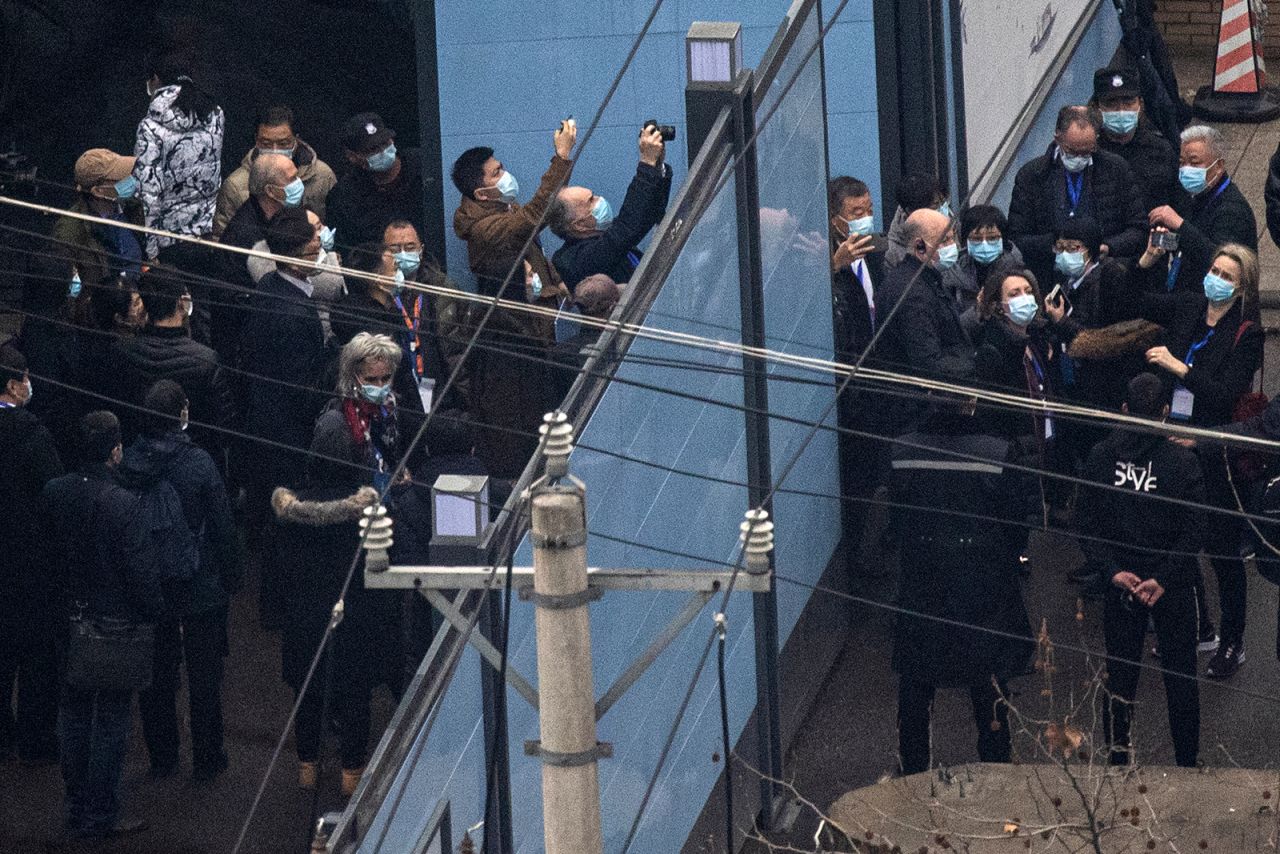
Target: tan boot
350, 779
308, 772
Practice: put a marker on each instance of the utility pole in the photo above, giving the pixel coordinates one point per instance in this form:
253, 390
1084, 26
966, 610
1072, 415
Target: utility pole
569, 752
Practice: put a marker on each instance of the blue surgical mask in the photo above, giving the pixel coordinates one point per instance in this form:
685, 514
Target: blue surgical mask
1120, 122
382, 160
508, 186
1218, 289
407, 262
602, 212
283, 152
1076, 163
861, 225
985, 251
293, 192
1022, 309
1069, 264
945, 209
1193, 178
375, 394
398, 287
73, 290
326, 238
947, 256
126, 188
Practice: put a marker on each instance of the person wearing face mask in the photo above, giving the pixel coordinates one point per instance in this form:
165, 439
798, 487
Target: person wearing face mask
93, 253
1209, 211
327, 283
193, 629
357, 443
164, 349
983, 250
276, 134
496, 227
1127, 133
29, 615
273, 185
282, 339
1016, 352
916, 191
383, 182
857, 266
1073, 178
1211, 352
923, 336
595, 241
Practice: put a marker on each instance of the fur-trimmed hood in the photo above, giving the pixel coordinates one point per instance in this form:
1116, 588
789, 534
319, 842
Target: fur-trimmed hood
1126, 338
289, 507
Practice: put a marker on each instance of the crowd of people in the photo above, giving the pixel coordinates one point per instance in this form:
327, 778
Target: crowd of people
231, 387
228, 387
1123, 277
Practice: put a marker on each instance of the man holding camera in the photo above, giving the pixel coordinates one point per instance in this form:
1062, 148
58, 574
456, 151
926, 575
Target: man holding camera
1209, 212
595, 241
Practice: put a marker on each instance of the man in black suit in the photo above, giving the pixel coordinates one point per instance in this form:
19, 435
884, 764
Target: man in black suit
283, 347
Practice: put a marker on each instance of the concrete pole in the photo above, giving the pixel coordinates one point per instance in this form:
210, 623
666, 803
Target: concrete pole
570, 788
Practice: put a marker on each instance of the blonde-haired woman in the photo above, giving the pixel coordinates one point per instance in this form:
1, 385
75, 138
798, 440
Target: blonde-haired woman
1212, 349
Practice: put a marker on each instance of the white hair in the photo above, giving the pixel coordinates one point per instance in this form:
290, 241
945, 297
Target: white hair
267, 170
1211, 137
364, 347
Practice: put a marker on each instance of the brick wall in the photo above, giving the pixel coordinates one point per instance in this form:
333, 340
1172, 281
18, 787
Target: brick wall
1194, 24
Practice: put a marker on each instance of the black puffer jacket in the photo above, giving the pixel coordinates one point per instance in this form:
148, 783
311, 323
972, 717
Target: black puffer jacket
1153, 160
28, 461
1041, 206
171, 354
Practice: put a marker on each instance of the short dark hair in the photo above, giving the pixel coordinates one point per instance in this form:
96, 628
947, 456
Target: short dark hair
1145, 396
468, 169
1074, 114
289, 231
400, 223
918, 190
161, 291
275, 116
993, 290
982, 216
164, 403
841, 188
98, 435
13, 365
1086, 230
110, 299
365, 258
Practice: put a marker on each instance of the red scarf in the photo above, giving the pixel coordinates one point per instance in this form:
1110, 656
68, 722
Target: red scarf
359, 415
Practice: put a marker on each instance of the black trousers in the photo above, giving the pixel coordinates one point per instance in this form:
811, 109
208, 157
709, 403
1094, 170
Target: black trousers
915, 705
349, 705
200, 640
1223, 538
1125, 625
29, 668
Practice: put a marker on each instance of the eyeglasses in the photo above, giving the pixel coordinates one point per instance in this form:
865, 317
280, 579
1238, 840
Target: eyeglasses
403, 247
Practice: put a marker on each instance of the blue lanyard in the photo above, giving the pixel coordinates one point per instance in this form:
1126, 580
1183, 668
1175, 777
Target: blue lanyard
1190, 360
1218, 192
1175, 265
633, 259
1075, 185
1035, 366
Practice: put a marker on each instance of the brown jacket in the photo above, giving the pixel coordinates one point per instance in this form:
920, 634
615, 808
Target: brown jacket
316, 176
495, 232
77, 242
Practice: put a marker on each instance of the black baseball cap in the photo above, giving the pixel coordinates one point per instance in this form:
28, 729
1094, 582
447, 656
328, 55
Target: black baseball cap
1116, 83
366, 133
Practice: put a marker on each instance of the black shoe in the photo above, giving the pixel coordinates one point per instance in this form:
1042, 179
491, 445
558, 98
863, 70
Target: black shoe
1024, 566
1226, 661
1208, 639
204, 772
161, 770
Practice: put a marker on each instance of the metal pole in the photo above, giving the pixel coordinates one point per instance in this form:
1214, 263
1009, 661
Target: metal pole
755, 395
570, 788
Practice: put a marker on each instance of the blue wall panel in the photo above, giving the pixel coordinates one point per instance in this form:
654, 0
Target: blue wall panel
1075, 86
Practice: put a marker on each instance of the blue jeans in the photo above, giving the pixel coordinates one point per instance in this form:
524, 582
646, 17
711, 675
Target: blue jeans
94, 728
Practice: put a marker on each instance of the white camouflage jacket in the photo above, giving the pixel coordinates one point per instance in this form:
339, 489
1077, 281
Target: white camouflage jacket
179, 168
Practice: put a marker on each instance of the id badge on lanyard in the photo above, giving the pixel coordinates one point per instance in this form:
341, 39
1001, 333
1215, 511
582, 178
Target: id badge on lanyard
426, 391
1184, 402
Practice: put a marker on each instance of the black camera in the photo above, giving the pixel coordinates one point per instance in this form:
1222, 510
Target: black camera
1166, 240
668, 132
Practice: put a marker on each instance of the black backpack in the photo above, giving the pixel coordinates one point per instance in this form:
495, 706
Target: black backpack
177, 548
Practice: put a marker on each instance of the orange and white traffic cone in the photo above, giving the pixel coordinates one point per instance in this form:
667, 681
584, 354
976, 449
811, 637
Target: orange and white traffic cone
1239, 92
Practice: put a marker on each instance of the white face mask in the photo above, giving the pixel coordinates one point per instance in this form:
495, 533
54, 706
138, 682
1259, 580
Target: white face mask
30, 391
182, 422
191, 306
